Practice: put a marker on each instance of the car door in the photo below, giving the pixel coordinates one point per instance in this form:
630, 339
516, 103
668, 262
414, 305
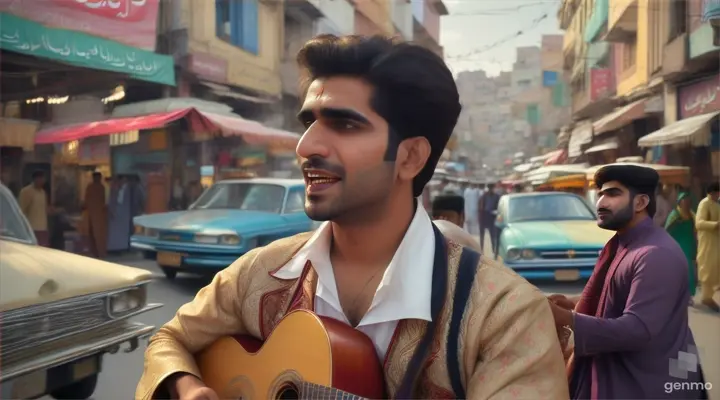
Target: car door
294, 212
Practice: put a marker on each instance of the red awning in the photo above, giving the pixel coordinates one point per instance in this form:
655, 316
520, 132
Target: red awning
199, 121
556, 157
251, 131
68, 133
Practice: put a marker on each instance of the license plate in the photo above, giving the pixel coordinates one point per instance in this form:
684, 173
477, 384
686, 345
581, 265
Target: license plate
169, 259
29, 386
567, 275
83, 369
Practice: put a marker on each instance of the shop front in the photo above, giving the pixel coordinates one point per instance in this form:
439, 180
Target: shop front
615, 135
694, 140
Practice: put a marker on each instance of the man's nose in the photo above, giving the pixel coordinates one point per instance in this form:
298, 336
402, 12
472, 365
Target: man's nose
314, 142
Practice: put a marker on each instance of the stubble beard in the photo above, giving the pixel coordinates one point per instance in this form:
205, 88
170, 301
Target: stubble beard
619, 220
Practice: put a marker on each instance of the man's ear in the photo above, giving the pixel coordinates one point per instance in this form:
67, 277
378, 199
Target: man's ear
641, 202
413, 154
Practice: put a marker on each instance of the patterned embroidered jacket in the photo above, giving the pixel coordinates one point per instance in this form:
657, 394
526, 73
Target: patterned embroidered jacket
508, 344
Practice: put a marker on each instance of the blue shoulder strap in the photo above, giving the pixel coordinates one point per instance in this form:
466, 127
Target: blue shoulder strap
469, 260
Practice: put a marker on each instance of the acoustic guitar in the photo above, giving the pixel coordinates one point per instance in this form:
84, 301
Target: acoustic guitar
305, 357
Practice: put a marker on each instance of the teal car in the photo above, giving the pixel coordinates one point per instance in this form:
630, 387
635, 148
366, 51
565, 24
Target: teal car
549, 235
231, 218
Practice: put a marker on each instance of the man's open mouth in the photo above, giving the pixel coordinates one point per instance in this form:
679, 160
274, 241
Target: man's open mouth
317, 180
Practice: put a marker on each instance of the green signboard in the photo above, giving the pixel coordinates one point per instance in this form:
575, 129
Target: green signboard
27, 37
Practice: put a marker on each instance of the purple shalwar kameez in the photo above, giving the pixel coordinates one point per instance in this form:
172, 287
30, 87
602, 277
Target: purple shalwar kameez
627, 351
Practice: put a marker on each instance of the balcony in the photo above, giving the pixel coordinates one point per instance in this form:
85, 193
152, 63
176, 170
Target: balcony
598, 20
675, 58
426, 17
309, 8
622, 21
401, 13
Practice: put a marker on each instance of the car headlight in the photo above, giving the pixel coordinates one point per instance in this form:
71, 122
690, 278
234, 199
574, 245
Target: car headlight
230, 240
205, 239
127, 301
513, 254
528, 254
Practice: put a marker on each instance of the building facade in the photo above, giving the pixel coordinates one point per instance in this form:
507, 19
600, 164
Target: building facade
647, 85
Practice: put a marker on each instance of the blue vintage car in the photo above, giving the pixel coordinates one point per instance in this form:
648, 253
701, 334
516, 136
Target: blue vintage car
231, 218
549, 235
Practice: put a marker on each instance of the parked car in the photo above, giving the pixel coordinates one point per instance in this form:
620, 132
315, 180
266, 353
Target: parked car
231, 218
549, 235
60, 313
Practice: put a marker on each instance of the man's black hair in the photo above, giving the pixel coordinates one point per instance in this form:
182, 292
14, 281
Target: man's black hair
38, 173
448, 202
713, 188
414, 91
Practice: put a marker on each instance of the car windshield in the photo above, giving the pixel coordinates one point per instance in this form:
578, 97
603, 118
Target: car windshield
548, 207
12, 223
242, 196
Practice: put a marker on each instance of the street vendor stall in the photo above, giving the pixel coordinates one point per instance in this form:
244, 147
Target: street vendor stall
576, 183
542, 175
670, 175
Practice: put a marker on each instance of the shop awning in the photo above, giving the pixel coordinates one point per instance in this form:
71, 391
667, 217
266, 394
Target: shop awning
542, 174
582, 134
602, 147
620, 117
68, 133
523, 167
692, 130
556, 157
199, 121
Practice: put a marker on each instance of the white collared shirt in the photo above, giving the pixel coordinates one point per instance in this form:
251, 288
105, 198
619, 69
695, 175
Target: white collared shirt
403, 293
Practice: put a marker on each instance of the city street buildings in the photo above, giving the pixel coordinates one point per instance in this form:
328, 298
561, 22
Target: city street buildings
644, 79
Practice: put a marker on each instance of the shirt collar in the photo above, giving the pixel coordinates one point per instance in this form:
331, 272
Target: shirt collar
631, 234
405, 289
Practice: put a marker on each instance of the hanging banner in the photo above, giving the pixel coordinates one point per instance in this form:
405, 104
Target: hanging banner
27, 37
600, 83
132, 22
699, 98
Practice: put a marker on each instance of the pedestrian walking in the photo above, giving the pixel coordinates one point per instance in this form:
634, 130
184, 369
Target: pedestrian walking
33, 200
488, 211
680, 225
707, 221
96, 216
472, 198
631, 320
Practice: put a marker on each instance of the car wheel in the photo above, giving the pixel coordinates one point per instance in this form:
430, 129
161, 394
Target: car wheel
170, 273
81, 390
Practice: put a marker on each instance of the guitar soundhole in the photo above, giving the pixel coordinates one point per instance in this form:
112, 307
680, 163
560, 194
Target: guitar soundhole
288, 392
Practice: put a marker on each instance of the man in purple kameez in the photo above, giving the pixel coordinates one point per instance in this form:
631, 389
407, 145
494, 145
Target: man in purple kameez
631, 323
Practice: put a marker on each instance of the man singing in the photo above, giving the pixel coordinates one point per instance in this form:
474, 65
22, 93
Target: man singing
378, 114
631, 322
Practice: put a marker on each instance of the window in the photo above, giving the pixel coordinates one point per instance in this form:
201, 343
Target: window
242, 196
554, 207
236, 21
678, 18
12, 223
295, 201
629, 55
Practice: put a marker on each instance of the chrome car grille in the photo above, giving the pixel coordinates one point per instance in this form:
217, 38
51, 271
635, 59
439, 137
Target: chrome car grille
31, 326
568, 254
171, 236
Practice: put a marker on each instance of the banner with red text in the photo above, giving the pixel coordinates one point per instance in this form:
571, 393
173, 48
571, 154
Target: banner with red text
131, 22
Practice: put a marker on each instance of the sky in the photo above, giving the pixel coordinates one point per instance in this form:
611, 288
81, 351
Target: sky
482, 34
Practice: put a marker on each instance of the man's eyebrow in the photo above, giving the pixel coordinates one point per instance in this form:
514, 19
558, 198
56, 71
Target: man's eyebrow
334, 113
611, 190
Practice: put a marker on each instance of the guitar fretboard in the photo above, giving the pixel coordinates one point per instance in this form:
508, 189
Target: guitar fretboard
312, 391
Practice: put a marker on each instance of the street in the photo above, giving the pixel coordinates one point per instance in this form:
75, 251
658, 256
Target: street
121, 371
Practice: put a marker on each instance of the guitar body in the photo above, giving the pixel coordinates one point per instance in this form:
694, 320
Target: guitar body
305, 356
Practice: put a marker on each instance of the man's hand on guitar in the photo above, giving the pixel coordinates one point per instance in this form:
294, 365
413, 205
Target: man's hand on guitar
189, 387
